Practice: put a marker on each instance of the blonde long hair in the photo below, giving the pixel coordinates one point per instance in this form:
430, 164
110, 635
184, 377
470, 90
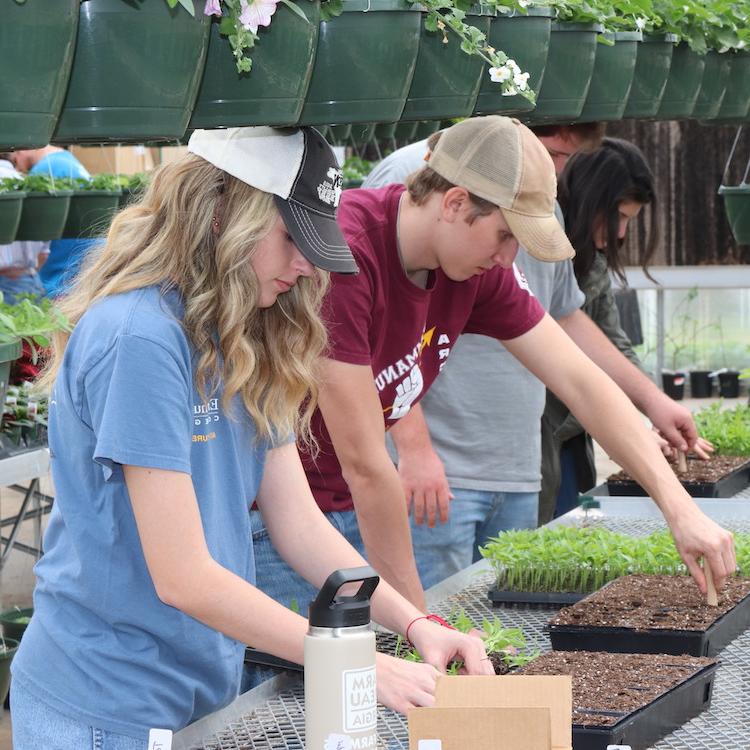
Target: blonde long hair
269, 356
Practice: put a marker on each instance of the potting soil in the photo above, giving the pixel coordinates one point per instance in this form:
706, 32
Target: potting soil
698, 471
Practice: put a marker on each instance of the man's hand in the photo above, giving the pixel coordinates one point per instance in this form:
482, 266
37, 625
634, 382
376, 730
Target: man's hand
425, 485
697, 537
675, 424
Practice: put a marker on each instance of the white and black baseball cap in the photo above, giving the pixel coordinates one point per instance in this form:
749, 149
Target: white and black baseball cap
299, 168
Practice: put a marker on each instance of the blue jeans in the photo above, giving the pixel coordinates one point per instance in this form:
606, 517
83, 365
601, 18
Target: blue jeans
567, 495
36, 725
275, 578
475, 516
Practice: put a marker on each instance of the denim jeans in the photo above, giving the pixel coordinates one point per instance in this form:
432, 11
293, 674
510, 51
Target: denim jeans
475, 516
275, 578
36, 725
567, 495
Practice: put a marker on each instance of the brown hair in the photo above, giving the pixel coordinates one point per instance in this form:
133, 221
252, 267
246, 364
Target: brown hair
590, 134
426, 181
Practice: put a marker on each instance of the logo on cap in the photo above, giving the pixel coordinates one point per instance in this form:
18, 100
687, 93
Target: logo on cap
329, 191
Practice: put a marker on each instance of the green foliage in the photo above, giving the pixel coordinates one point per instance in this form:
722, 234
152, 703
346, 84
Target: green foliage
565, 559
727, 429
510, 642
134, 182
10, 185
31, 320
24, 418
101, 181
41, 183
356, 168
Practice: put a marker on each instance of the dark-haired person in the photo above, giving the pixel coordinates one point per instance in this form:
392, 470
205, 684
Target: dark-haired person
436, 260
469, 454
601, 192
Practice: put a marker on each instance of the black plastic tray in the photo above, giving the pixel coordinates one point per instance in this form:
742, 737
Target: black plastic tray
499, 597
728, 486
642, 728
630, 641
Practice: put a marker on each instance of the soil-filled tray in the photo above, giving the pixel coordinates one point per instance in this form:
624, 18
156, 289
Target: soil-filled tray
500, 597
719, 476
653, 614
629, 699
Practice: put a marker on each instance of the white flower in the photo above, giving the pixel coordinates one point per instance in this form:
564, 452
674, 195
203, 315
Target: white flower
524, 3
256, 13
640, 23
521, 81
498, 75
510, 91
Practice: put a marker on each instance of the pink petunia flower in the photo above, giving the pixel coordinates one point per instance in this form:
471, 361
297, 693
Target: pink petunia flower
257, 13
213, 8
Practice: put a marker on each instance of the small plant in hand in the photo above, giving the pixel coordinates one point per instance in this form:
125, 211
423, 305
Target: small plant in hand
505, 646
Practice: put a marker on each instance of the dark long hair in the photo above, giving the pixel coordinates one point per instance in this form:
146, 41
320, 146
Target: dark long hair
591, 188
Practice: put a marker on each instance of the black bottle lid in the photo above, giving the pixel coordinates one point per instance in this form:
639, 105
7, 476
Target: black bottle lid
328, 610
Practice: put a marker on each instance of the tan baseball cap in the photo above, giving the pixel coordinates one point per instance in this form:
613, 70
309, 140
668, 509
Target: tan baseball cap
501, 160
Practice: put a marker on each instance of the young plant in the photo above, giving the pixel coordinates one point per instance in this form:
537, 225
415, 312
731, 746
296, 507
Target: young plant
727, 429
31, 320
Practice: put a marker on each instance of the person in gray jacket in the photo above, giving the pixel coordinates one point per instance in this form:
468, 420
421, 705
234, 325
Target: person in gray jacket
469, 454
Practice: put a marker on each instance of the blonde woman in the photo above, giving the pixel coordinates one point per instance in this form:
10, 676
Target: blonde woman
175, 404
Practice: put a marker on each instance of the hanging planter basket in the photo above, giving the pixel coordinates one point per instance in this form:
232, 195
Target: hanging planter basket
338, 135
36, 55
43, 215
446, 80
612, 77
525, 39
386, 131
136, 72
713, 86
364, 63
737, 206
735, 107
90, 213
405, 132
425, 129
11, 206
273, 92
650, 76
683, 84
567, 76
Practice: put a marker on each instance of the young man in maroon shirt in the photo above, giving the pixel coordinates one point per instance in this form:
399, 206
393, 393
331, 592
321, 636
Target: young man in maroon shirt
434, 262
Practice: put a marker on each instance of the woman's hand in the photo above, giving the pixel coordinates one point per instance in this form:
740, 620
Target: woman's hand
403, 685
440, 646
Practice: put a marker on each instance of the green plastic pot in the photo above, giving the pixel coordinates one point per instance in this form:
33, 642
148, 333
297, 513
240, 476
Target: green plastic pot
37, 40
273, 93
9, 620
713, 86
43, 216
735, 106
386, 131
6, 657
737, 207
136, 72
9, 353
91, 212
11, 207
525, 39
364, 63
446, 80
567, 76
425, 129
683, 84
612, 77
405, 132
339, 134
652, 66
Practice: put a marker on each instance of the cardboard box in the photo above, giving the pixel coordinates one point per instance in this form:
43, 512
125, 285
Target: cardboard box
514, 695
479, 729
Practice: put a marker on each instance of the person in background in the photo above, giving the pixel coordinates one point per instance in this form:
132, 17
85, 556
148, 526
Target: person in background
436, 261
20, 261
65, 255
192, 364
600, 193
469, 456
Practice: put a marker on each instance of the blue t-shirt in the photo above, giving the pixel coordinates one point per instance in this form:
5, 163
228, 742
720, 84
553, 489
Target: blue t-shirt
101, 646
65, 256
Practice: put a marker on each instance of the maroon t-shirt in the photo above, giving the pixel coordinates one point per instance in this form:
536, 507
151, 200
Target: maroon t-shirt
381, 319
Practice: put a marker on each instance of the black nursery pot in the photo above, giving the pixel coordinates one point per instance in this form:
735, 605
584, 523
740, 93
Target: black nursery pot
701, 385
729, 384
674, 384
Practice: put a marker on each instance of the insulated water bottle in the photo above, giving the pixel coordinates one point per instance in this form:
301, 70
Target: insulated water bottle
340, 696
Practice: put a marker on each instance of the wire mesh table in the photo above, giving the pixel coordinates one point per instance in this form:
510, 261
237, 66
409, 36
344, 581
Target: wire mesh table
272, 715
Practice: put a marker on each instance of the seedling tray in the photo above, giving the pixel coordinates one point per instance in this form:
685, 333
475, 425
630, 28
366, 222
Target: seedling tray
642, 728
727, 486
707, 642
500, 597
